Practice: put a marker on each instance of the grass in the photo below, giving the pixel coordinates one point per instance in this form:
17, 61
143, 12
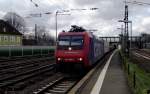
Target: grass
138, 79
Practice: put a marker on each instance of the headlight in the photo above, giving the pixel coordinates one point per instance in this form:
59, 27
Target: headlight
80, 59
69, 48
58, 59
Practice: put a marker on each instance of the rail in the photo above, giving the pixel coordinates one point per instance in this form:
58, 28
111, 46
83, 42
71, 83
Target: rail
20, 77
61, 85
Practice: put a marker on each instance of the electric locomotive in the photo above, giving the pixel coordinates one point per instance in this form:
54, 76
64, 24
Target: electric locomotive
81, 48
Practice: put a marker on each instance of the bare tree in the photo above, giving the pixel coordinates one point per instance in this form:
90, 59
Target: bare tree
40, 31
15, 20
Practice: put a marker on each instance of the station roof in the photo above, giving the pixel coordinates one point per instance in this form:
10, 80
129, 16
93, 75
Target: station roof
6, 28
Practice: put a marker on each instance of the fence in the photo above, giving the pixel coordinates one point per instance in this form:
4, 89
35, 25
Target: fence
18, 51
138, 79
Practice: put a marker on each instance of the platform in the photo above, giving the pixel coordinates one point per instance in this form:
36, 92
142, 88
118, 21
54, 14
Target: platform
115, 81
109, 78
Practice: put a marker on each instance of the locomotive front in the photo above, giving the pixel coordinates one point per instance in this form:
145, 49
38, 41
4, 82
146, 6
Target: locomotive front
70, 49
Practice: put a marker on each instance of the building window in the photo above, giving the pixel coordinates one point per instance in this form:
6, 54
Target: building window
4, 29
5, 38
2, 38
18, 39
11, 38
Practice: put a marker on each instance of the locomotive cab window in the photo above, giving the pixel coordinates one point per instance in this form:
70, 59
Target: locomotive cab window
64, 41
76, 42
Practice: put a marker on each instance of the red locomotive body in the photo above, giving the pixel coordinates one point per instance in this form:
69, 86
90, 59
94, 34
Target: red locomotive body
78, 48
73, 47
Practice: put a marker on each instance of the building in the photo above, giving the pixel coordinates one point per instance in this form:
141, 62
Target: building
9, 36
146, 40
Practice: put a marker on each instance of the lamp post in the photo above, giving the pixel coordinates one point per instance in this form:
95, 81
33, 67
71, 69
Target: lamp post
56, 20
56, 24
63, 11
131, 34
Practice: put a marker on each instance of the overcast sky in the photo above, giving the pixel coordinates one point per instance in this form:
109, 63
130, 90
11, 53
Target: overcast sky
105, 19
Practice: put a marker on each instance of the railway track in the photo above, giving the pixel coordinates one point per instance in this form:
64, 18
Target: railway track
9, 65
59, 86
142, 59
146, 51
142, 53
142, 56
20, 73
7, 71
23, 80
11, 62
8, 59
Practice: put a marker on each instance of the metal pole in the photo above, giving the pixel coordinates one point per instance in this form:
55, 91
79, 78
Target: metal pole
128, 69
35, 37
48, 50
12, 16
9, 51
56, 22
22, 51
12, 19
131, 35
126, 31
122, 38
32, 50
41, 51
56, 25
134, 79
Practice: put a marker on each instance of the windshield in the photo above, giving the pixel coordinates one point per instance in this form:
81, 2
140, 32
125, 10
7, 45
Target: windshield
64, 41
76, 42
